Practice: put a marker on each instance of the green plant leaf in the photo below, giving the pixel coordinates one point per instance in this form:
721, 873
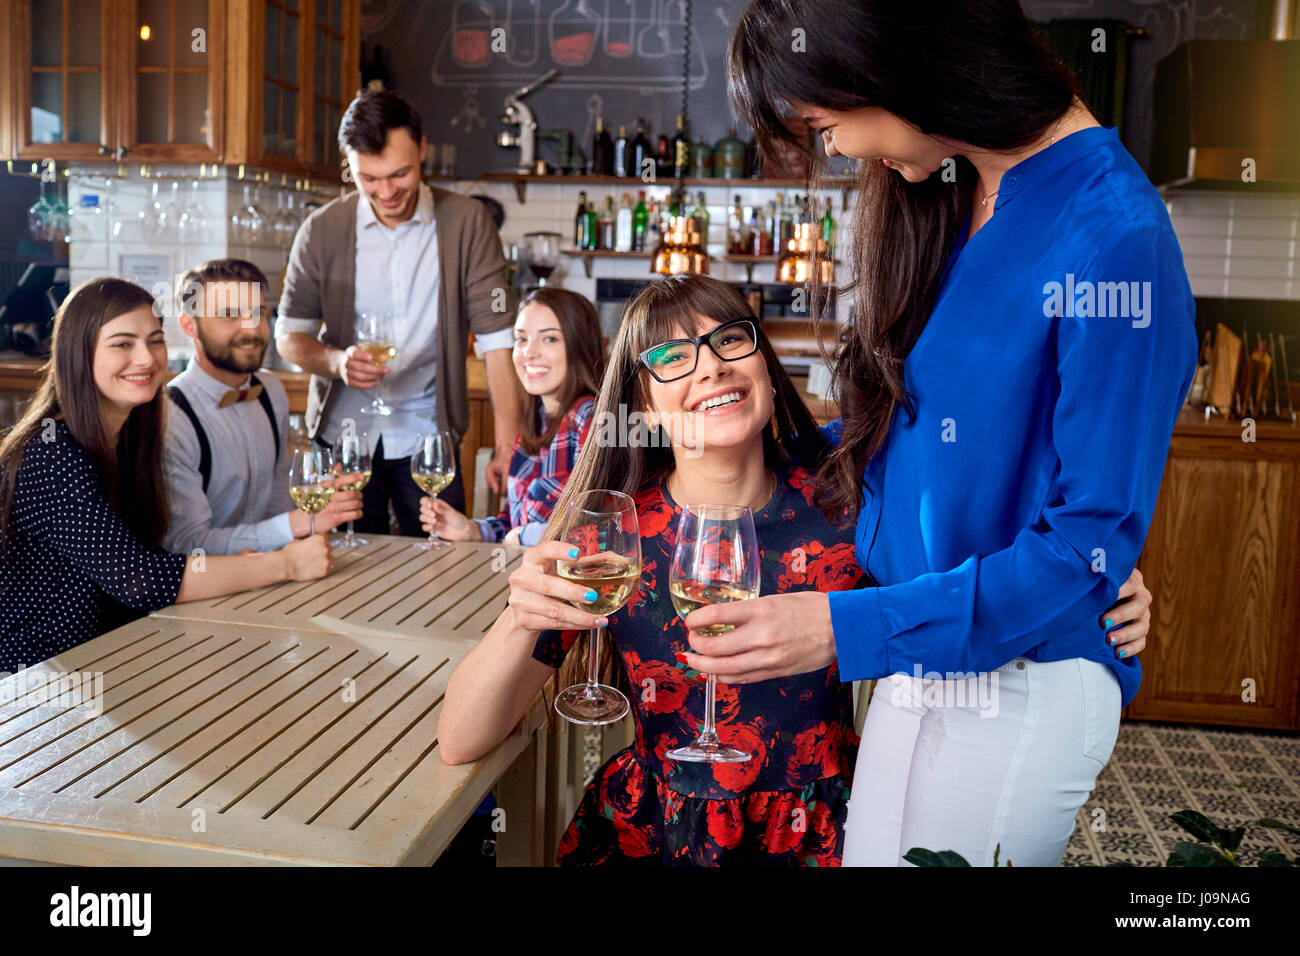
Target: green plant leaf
1231, 839
919, 856
1198, 825
1274, 858
1197, 854
1277, 825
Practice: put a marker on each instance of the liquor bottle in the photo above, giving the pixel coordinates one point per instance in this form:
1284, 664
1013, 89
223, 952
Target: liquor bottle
677, 200
621, 153
640, 150
605, 227
640, 219
602, 150
664, 159
735, 230
623, 226
776, 224
653, 233
828, 230
700, 213
579, 237
766, 238
589, 226
681, 149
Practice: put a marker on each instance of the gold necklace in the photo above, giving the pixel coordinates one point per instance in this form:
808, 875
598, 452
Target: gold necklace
985, 200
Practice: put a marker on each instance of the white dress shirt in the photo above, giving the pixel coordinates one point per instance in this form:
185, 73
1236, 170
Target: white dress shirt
397, 272
247, 502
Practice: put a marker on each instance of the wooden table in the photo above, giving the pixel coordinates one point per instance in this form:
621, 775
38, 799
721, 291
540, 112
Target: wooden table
388, 588
228, 740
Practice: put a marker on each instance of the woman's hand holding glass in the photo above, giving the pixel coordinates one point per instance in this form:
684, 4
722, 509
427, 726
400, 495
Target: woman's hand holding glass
441, 519
784, 634
539, 597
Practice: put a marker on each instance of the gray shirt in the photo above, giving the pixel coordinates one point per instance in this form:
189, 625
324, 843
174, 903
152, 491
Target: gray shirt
247, 502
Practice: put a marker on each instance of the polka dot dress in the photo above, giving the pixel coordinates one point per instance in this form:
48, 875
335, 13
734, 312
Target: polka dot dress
77, 570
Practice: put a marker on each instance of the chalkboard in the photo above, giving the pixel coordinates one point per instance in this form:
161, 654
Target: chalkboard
457, 60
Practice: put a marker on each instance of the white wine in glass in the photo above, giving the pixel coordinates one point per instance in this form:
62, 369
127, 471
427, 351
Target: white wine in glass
433, 468
715, 561
353, 458
311, 481
602, 527
376, 338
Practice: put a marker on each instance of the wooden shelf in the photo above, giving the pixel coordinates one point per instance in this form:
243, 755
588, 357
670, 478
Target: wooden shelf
521, 181
586, 255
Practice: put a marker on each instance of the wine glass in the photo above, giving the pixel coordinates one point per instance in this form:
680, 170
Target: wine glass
715, 561
353, 458
39, 214
602, 527
311, 481
192, 224
376, 338
543, 254
433, 468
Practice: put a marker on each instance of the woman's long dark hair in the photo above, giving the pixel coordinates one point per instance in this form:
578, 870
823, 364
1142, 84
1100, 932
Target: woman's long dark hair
658, 313
970, 70
584, 353
130, 471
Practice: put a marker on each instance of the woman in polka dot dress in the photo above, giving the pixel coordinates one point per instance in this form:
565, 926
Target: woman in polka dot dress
82, 499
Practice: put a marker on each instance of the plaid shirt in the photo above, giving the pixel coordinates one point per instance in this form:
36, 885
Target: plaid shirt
535, 481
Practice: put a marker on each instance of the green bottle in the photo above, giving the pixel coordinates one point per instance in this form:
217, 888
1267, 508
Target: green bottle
589, 226
640, 217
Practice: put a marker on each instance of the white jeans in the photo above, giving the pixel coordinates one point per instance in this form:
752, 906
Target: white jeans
933, 773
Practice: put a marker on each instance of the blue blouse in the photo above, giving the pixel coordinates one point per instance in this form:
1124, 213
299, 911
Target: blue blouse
1003, 520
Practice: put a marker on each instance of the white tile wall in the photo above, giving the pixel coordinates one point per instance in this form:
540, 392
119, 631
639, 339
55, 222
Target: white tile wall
120, 227
1239, 245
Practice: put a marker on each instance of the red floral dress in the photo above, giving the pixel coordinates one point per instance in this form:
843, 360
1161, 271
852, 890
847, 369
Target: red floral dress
785, 806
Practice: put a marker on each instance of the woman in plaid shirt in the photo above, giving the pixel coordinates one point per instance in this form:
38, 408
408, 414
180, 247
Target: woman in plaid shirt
559, 356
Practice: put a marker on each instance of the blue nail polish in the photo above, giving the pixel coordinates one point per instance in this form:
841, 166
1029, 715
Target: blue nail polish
1122, 653
573, 552
1110, 622
590, 596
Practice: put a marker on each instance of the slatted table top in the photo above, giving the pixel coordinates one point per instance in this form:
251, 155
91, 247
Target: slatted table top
388, 588
219, 743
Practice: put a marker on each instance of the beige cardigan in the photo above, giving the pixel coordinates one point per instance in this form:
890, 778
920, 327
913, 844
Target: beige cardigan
474, 293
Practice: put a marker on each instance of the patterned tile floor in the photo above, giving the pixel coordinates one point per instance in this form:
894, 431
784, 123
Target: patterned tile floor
1234, 777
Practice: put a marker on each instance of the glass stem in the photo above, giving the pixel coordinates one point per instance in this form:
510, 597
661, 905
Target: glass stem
708, 709
593, 660
433, 538
311, 522
350, 536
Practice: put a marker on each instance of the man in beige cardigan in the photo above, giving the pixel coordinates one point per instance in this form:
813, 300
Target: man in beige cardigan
432, 261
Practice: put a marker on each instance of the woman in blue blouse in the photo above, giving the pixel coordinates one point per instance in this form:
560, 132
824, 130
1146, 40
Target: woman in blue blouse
1023, 344
82, 500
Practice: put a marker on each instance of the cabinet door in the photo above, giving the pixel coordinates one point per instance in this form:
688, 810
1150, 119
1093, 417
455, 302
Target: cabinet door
63, 62
335, 55
173, 79
280, 107
1222, 560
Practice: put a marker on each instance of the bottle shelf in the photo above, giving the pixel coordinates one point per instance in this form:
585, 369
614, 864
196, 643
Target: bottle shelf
521, 181
587, 255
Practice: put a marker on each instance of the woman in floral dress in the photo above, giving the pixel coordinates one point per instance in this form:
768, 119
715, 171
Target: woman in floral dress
786, 805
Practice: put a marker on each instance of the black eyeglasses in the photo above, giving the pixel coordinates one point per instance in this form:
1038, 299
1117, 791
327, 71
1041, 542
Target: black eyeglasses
676, 359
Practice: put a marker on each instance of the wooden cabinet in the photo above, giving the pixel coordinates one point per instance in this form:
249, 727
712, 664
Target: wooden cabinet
1222, 560
298, 66
194, 81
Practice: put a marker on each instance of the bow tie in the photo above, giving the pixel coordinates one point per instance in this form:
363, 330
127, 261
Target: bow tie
247, 394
